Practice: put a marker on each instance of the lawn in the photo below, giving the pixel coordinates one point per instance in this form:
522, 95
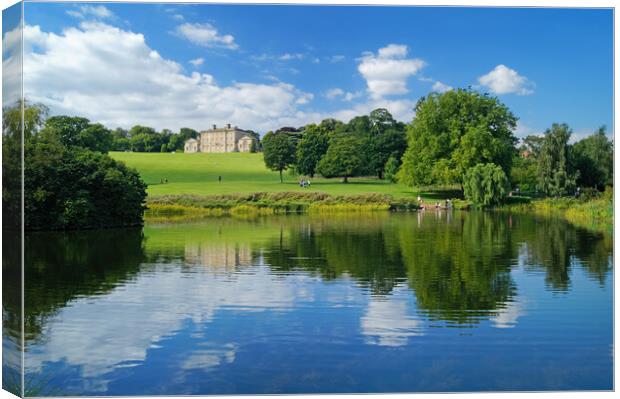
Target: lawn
241, 173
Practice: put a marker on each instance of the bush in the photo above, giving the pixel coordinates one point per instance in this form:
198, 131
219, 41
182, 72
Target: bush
74, 188
391, 169
485, 184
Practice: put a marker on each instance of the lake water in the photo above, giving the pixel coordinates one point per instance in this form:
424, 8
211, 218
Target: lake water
416, 302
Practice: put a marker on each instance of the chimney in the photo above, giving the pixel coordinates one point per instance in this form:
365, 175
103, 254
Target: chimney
228, 125
214, 127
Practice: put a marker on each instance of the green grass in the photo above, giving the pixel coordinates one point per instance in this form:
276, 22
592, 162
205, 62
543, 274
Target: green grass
197, 174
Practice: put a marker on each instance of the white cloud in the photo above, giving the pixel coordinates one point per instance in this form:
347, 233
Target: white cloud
333, 93
112, 76
345, 96
205, 35
86, 11
178, 17
393, 51
441, 87
197, 62
288, 57
349, 96
336, 58
386, 73
315, 60
11, 66
304, 98
504, 80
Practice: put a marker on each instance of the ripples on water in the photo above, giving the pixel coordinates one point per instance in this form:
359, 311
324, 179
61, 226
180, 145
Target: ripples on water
303, 304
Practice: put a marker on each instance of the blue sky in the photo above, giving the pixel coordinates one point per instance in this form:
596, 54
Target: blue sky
261, 67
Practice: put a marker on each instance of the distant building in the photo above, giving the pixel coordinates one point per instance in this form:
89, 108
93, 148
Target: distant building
225, 139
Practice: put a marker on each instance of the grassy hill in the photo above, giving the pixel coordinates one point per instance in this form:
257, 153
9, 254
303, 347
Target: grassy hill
241, 173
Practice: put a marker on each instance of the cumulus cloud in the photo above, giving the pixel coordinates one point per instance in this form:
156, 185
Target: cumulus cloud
504, 80
86, 11
386, 72
197, 62
441, 87
333, 93
344, 96
205, 35
11, 66
112, 76
304, 98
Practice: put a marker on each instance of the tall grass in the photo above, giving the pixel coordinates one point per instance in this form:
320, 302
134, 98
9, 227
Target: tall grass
263, 203
594, 213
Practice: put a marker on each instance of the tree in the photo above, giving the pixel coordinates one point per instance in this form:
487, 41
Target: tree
555, 172
383, 145
454, 131
391, 169
120, 140
345, 157
594, 159
278, 151
34, 116
486, 184
380, 120
95, 137
66, 184
67, 128
311, 148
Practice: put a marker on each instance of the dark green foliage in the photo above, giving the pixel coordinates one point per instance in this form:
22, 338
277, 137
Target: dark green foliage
67, 128
556, 174
391, 169
311, 148
454, 131
73, 188
384, 145
34, 118
594, 159
524, 173
279, 151
66, 184
346, 157
485, 184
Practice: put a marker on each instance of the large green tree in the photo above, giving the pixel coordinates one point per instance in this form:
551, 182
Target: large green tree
346, 157
278, 151
311, 148
556, 174
452, 132
594, 159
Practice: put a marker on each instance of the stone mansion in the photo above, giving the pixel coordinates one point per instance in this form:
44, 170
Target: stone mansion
223, 139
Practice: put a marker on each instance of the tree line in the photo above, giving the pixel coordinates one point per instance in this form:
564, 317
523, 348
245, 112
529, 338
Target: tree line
69, 180
460, 137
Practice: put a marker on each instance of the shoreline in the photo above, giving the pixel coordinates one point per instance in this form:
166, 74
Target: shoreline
596, 214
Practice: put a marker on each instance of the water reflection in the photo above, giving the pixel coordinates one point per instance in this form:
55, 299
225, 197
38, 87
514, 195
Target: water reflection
233, 306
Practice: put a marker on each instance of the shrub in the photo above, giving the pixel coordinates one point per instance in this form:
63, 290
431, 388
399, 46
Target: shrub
485, 184
391, 169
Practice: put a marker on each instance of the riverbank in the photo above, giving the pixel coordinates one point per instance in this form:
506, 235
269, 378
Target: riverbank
188, 206
595, 213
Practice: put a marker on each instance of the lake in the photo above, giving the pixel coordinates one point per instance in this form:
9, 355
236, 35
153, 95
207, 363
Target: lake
417, 302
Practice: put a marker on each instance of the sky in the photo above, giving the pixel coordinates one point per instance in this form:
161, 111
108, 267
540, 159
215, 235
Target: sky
262, 67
